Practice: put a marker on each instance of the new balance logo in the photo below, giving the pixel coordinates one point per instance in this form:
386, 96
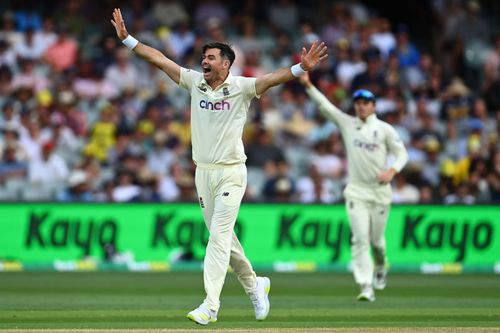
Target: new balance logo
201, 203
225, 194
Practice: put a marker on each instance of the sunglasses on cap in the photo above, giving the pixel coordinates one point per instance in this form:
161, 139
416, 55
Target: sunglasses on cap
363, 94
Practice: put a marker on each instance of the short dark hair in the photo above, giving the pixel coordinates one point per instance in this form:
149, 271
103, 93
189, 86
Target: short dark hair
226, 52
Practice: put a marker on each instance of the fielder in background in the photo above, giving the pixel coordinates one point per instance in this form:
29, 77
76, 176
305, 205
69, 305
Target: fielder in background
219, 107
368, 142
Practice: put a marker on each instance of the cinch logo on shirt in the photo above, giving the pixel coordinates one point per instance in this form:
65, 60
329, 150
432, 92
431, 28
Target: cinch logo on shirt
218, 106
365, 145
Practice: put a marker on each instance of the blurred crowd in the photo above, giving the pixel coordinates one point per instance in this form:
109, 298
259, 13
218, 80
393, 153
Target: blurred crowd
83, 119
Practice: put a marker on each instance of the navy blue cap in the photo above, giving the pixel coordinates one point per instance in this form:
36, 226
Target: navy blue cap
367, 95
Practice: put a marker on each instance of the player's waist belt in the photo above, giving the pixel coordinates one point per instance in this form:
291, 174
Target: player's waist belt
216, 166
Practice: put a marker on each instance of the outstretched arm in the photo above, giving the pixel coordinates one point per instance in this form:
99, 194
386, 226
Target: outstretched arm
308, 60
327, 108
146, 52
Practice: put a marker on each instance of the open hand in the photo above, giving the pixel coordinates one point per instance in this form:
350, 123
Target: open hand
119, 24
314, 56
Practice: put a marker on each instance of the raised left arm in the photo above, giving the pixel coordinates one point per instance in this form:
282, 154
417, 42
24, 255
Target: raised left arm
308, 60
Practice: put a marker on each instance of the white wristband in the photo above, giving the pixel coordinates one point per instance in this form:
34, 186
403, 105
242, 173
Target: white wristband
130, 42
297, 70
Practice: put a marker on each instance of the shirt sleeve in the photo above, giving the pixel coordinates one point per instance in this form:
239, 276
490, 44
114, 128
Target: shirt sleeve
329, 110
396, 147
188, 77
247, 85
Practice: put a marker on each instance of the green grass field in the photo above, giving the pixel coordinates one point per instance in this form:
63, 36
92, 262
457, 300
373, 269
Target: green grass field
309, 301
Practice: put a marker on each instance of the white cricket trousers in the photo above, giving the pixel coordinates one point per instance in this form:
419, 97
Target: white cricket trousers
220, 191
367, 220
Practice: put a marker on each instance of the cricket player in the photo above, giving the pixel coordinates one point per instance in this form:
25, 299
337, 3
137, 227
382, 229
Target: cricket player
368, 142
219, 107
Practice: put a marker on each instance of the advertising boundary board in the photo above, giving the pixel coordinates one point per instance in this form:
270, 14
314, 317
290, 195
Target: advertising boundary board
280, 237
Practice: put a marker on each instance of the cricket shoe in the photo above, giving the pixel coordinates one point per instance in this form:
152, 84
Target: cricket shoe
380, 278
260, 298
367, 293
202, 315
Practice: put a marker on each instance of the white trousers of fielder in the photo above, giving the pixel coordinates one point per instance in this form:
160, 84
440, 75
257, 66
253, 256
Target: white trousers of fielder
367, 221
220, 191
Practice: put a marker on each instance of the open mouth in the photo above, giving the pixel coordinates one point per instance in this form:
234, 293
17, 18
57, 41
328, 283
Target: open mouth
206, 70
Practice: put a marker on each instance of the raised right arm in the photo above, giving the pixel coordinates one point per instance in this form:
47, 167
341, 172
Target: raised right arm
326, 107
148, 53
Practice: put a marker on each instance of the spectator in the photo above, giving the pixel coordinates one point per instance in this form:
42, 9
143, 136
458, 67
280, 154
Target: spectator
181, 40
9, 117
335, 28
471, 28
160, 158
49, 168
383, 38
46, 36
210, 12
62, 54
32, 139
427, 194
373, 78
432, 164
67, 144
106, 57
7, 55
102, 135
123, 74
169, 12
30, 47
126, 190
283, 15
10, 140
270, 118
279, 187
29, 78
263, 150
326, 163
89, 83
349, 63
477, 181
407, 52
462, 195
493, 177
457, 104
314, 188
403, 192
11, 166
77, 189
491, 69
169, 185
28, 19
9, 32
67, 106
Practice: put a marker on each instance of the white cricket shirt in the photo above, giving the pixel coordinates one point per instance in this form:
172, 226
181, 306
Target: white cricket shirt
218, 117
368, 144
